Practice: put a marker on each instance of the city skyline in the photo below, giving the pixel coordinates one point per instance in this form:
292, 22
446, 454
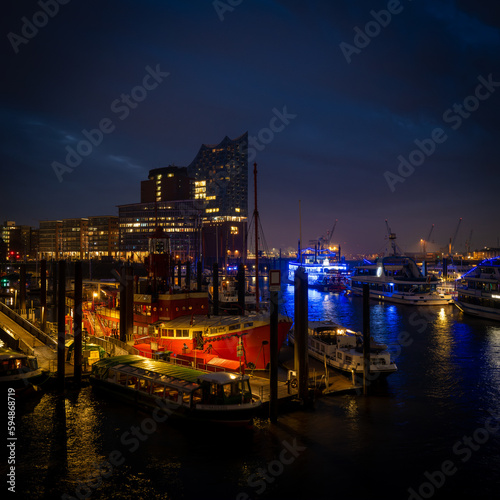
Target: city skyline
366, 112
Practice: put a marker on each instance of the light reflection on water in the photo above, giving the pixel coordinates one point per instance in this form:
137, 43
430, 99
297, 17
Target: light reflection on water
448, 380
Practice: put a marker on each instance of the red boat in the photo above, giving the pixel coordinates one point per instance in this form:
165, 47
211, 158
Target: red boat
180, 323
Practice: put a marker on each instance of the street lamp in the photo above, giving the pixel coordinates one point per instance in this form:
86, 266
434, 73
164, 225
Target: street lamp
94, 296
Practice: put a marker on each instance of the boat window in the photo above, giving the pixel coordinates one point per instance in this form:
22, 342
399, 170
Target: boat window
234, 327
121, 378
186, 399
339, 355
197, 396
182, 333
158, 389
247, 325
144, 385
173, 394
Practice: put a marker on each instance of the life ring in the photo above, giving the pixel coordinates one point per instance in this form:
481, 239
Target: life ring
294, 383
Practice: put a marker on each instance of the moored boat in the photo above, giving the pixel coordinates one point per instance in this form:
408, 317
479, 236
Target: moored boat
20, 371
180, 323
478, 292
194, 394
326, 271
342, 349
398, 279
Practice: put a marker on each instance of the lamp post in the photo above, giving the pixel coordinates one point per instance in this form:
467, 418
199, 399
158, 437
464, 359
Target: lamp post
94, 296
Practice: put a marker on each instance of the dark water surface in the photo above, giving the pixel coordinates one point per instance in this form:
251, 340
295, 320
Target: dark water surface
428, 417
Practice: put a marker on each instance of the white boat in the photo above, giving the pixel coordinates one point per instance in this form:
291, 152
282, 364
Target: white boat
398, 279
479, 290
342, 349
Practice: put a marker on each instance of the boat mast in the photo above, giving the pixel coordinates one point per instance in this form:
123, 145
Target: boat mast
256, 220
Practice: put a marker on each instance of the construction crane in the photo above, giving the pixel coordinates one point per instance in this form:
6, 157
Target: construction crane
392, 237
325, 241
424, 242
452, 241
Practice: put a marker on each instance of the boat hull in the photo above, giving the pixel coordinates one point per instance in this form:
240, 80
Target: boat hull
409, 299
478, 311
238, 415
255, 341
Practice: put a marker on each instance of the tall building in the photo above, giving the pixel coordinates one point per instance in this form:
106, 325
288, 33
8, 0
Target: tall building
221, 173
203, 208
167, 184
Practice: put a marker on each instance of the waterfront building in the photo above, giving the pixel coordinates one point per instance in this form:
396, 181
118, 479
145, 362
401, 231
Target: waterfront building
79, 238
203, 208
179, 219
49, 239
17, 240
103, 236
74, 238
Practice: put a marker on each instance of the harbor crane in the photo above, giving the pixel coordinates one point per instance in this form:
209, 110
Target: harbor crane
392, 238
325, 242
452, 241
424, 242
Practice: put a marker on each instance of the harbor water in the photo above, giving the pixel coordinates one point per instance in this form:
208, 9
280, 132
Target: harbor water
431, 430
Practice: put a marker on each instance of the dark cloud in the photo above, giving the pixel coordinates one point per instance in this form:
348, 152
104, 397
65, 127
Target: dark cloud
226, 77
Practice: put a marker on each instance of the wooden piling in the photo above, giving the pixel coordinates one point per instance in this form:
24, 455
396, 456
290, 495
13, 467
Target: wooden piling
61, 324
199, 276
77, 324
43, 294
240, 283
366, 337
301, 333
215, 294
22, 288
273, 350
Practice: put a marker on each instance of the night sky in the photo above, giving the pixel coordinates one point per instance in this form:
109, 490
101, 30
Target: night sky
338, 95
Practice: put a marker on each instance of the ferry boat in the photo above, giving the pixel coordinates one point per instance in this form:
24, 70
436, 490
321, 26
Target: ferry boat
326, 271
398, 279
20, 371
479, 290
194, 394
342, 349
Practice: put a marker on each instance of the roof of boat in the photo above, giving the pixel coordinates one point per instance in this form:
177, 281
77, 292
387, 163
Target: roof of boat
162, 368
213, 321
321, 325
7, 353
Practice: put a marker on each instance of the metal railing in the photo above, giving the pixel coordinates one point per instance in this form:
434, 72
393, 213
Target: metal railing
26, 325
